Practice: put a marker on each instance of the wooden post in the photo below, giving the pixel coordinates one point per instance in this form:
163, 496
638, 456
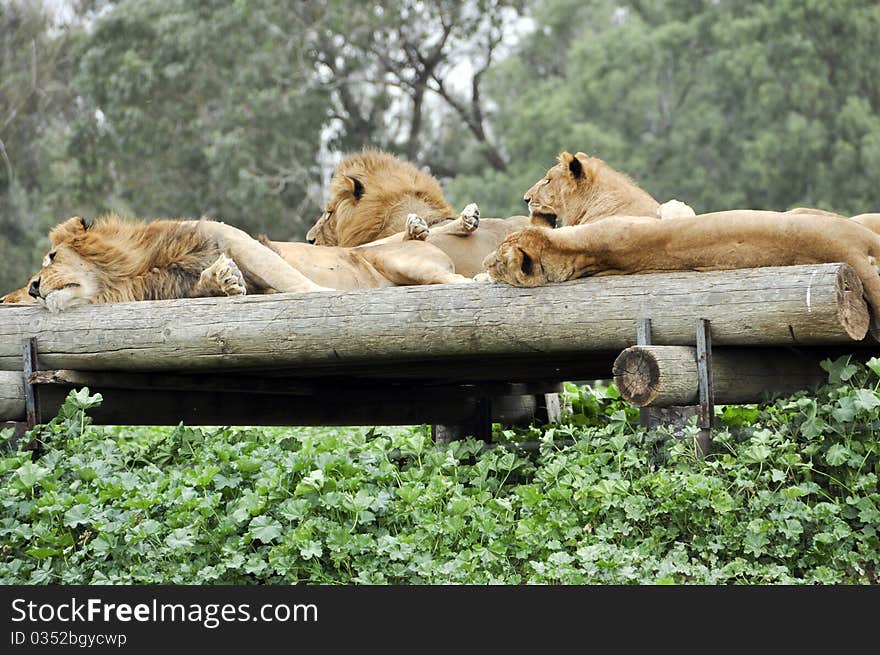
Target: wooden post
643, 338
30, 398
706, 417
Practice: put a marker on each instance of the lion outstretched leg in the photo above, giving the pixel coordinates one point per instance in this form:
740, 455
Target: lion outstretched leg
222, 278
258, 262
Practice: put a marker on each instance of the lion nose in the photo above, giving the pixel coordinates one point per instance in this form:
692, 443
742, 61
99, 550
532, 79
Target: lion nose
311, 240
527, 199
34, 288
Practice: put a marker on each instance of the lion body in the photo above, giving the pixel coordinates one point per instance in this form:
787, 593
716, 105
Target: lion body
716, 241
374, 265
115, 260
580, 189
371, 195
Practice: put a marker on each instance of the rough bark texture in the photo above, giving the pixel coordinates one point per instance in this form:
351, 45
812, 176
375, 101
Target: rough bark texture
662, 376
11, 396
818, 304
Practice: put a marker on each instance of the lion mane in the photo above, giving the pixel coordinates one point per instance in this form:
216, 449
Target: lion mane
371, 194
117, 260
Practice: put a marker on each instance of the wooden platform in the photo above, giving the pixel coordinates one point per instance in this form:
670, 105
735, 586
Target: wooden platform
450, 354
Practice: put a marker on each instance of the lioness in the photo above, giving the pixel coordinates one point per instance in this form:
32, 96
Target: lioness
114, 260
581, 189
716, 241
372, 196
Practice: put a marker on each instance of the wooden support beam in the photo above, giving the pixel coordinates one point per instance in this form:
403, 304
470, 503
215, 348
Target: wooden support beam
706, 417
663, 376
815, 304
32, 407
148, 399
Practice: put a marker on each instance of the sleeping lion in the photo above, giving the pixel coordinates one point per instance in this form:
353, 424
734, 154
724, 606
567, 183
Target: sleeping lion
116, 260
374, 195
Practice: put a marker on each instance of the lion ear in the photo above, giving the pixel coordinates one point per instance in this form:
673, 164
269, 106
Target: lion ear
573, 163
86, 222
68, 229
357, 187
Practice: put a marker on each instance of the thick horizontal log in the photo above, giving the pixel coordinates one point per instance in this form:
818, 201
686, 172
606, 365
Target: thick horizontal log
662, 376
816, 304
12, 406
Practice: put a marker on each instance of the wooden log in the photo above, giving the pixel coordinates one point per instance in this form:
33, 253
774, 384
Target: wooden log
12, 406
662, 376
815, 304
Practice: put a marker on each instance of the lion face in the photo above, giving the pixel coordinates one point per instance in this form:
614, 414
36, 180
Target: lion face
371, 194
584, 189
323, 232
545, 198
66, 280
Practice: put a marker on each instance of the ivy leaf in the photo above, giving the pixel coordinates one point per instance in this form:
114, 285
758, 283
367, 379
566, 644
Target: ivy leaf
77, 515
311, 549
30, 473
840, 370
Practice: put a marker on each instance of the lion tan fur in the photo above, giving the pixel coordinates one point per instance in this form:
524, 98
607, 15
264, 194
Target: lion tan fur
115, 260
373, 192
581, 189
716, 241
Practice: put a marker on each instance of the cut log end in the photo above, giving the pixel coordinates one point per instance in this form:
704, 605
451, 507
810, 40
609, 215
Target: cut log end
637, 376
852, 310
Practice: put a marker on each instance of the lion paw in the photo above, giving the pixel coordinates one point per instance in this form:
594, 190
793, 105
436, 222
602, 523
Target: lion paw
470, 217
482, 277
416, 228
223, 278
675, 209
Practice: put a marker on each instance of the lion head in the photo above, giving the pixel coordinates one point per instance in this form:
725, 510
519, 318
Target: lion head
371, 194
583, 189
70, 276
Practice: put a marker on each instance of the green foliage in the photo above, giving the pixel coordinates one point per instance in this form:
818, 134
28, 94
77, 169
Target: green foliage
237, 110
722, 104
790, 495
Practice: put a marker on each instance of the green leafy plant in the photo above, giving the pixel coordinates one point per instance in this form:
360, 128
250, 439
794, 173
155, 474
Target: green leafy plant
789, 495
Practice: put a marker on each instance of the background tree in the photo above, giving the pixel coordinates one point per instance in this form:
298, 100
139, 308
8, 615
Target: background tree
238, 110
